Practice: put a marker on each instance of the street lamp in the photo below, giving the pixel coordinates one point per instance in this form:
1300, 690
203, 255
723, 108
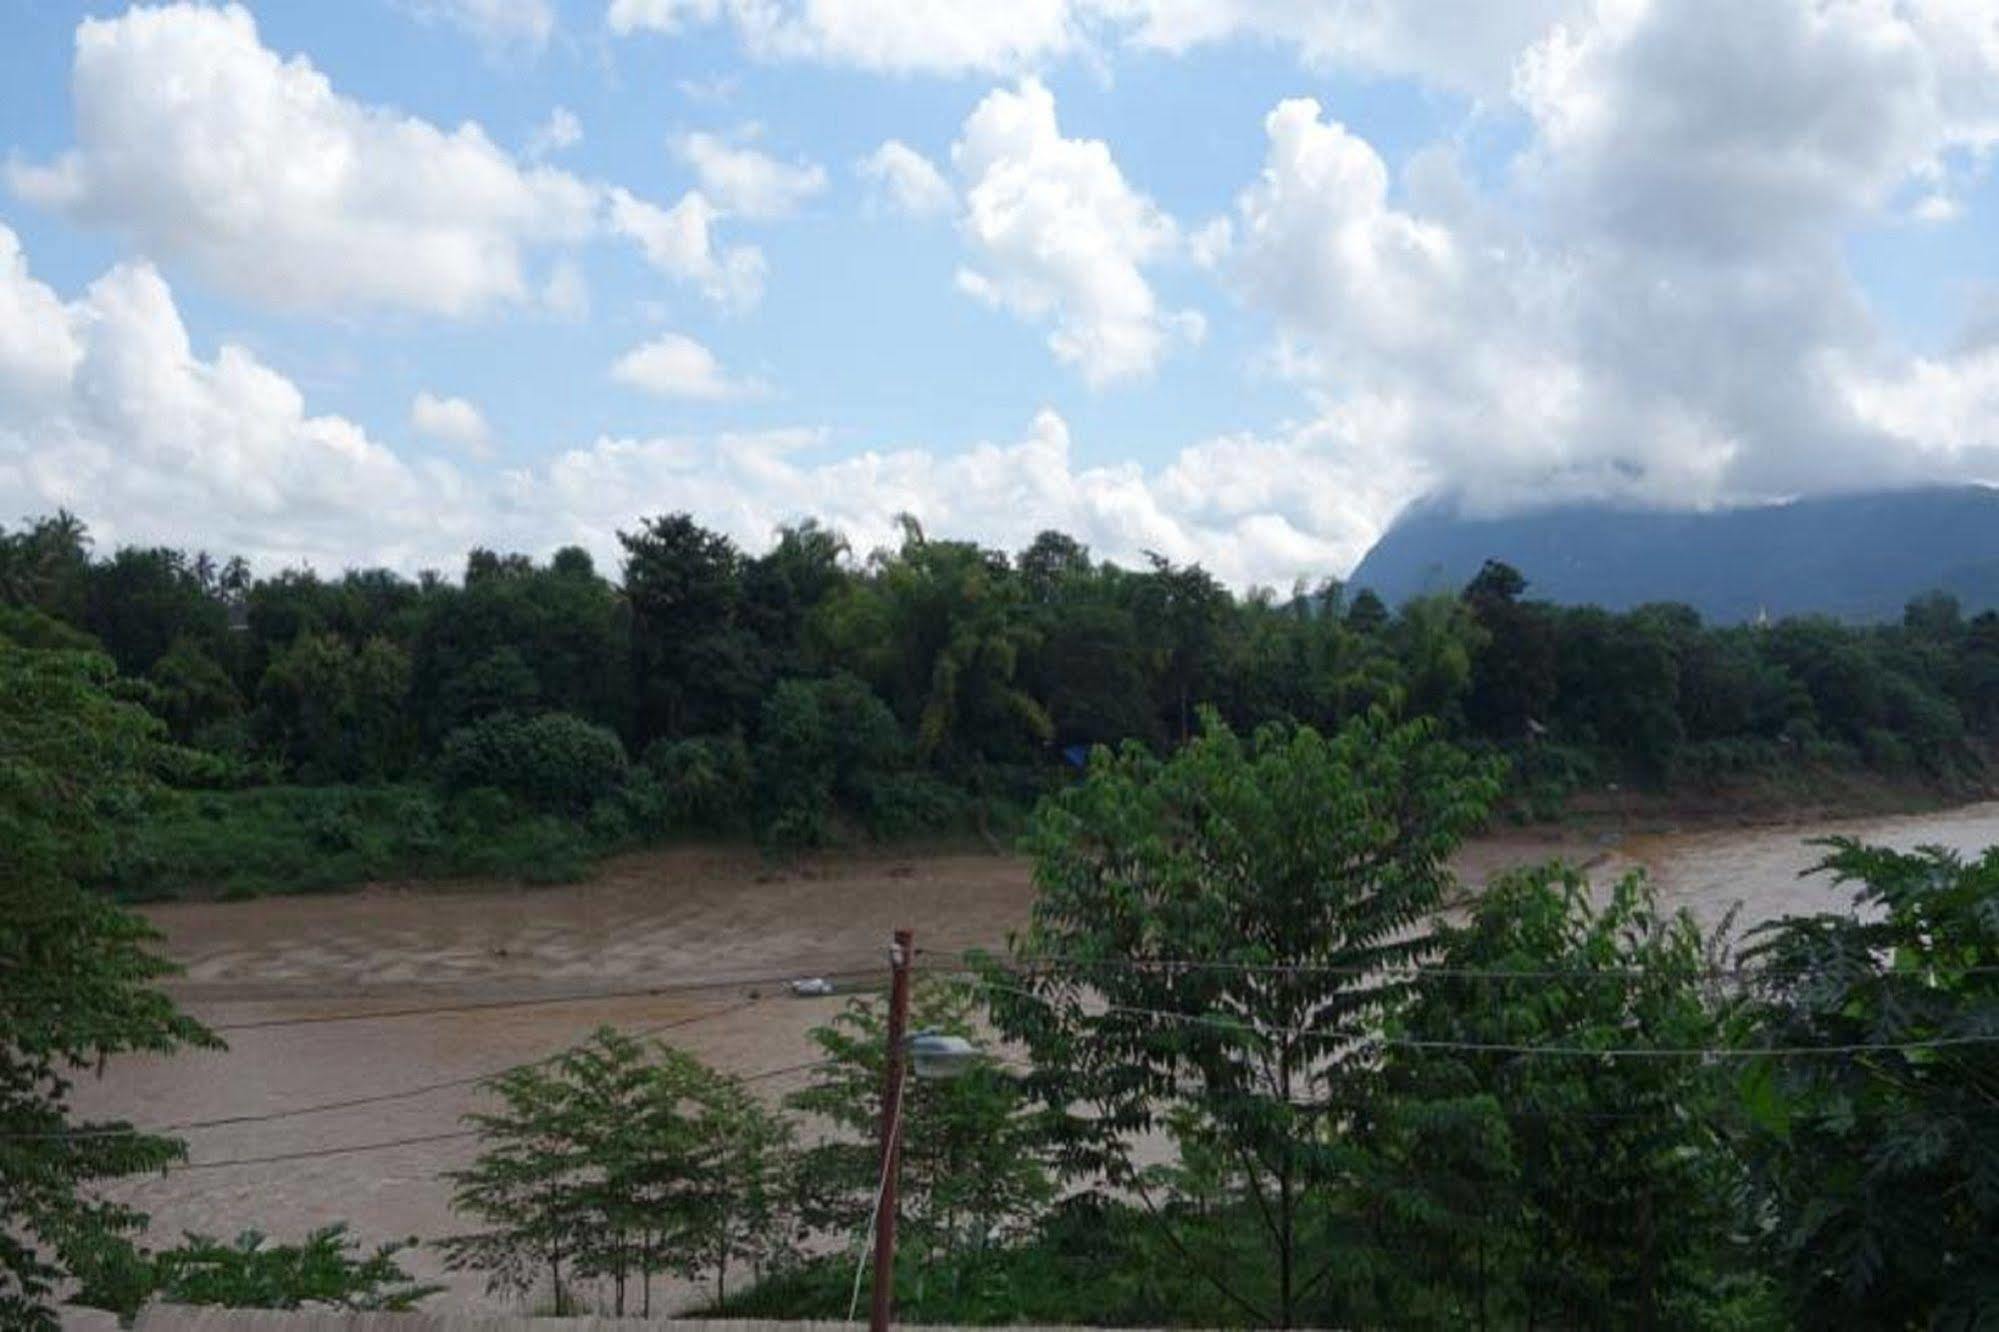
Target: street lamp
935, 1055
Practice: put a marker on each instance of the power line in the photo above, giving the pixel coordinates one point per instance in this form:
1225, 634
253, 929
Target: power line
1056, 963
453, 1136
1510, 1048
381, 1098
596, 996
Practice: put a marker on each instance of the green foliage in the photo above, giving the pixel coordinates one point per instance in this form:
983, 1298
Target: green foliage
973, 1173
554, 761
808, 698
76, 973
1879, 1170
940, 634
325, 1270
1556, 1190
696, 668
245, 843
614, 1162
705, 783
336, 714
1321, 856
828, 747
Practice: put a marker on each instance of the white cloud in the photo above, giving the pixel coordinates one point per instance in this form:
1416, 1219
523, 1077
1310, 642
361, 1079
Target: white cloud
674, 365
887, 36
499, 24
561, 130
453, 420
201, 144
1251, 510
1464, 45
150, 442
127, 425
746, 182
680, 242
1058, 235
906, 180
1655, 305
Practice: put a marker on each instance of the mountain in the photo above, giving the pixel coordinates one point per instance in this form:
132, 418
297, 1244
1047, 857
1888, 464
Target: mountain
1858, 557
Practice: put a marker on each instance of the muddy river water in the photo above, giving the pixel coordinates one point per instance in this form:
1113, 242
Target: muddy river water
334, 1007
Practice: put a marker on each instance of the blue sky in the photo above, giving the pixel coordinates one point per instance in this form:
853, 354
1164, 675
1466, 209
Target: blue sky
1689, 255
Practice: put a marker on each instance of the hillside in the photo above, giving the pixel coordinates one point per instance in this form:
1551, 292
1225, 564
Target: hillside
1857, 557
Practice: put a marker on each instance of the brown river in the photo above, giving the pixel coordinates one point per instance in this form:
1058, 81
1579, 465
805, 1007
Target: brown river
357, 1024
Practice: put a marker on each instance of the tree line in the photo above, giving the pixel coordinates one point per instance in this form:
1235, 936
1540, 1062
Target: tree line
809, 692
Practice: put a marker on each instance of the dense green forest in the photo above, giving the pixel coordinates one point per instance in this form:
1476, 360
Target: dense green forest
529, 715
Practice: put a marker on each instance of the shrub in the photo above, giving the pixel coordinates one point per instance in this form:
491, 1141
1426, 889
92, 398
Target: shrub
825, 744
554, 762
704, 782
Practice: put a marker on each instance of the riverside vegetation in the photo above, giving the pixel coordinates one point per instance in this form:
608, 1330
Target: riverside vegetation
1562, 1110
531, 716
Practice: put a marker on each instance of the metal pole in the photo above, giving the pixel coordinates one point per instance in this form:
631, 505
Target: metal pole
891, 1131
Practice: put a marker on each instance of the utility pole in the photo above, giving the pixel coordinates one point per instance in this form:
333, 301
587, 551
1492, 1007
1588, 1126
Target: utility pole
900, 955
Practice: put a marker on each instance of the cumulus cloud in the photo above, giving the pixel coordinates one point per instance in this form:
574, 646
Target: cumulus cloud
887, 36
1656, 305
453, 420
203, 145
1059, 236
680, 242
1206, 507
748, 183
110, 412
674, 365
906, 181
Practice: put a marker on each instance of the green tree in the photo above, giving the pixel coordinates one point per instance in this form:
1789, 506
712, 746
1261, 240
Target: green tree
828, 746
554, 761
617, 1161
696, 669
973, 1166
196, 698
1560, 1190
1513, 671
76, 972
939, 630
1207, 957
1878, 1160
336, 714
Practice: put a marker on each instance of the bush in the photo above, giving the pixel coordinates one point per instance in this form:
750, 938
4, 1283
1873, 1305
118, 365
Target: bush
704, 783
826, 744
553, 762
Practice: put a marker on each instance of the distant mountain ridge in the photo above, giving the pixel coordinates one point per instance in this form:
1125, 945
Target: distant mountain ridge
1859, 557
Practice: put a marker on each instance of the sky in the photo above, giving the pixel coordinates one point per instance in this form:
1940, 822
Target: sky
1229, 281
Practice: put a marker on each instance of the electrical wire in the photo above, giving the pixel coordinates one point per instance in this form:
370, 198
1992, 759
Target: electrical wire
381, 1098
596, 996
452, 1136
1576, 1051
1057, 963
